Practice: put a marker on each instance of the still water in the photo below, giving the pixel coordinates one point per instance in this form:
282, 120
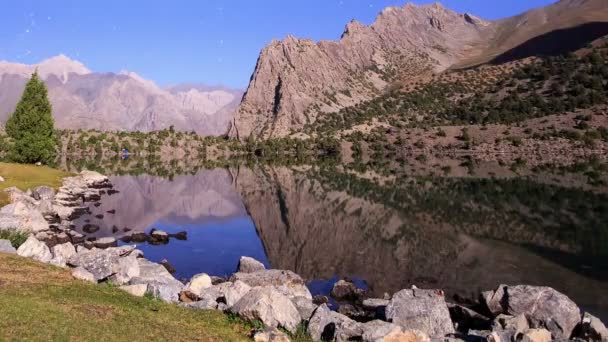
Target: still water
462, 233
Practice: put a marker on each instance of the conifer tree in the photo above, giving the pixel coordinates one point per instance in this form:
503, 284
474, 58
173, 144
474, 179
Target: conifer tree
31, 126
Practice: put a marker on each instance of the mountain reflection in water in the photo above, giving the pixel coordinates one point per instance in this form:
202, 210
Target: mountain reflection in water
459, 235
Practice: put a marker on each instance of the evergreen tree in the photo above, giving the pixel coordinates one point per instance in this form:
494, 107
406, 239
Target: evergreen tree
31, 125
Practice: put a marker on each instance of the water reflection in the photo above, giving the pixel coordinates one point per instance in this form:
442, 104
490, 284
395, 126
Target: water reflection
462, 235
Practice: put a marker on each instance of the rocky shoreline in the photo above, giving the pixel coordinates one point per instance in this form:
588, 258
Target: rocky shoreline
280, 298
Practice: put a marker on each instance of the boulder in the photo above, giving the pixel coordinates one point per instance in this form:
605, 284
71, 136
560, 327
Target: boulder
536, 335
344, 290
305, 307
198, 283
326, 325
24, 217
514, 324
161, 284
135, 290
125, 269
102, 263
159, 235
269, 306
81, 274
204, 303
250, 265
592, 329
270, 335
544, 307
105, 242
62, 253
43, 193
286, 282
424, 310
7, 247
380, 331
230, 293
34, 249
466, 318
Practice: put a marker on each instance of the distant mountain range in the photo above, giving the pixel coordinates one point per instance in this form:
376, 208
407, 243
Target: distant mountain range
124, 101
298, 80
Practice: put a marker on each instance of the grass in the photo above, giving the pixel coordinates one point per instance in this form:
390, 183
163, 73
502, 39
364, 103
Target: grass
17, 238
25, 177
40, 302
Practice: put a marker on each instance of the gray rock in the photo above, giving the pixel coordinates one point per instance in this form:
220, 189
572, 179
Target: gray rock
305, 307
270, 335
270, 307
424, 310
205, 303
250, 265
465, 318
161, 284
62, 253
327, 325
126, 269
377, 330
344, 290
46, 207
43, 193
135, 290
105, 242
23, 216
544, 307
593, 329
536, 335
286, 282
374, 303
7, 247
82, 274
230, 293
515, 324
34, 249
9, 222
101, 263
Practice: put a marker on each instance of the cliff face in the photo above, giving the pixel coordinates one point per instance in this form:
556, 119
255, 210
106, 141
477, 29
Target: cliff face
297, 79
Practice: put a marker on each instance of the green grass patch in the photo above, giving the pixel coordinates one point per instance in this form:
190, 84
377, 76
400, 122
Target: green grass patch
24, 176
16, 238
43, 303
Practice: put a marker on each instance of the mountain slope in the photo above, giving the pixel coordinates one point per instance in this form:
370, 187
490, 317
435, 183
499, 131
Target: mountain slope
125, 101
297, 80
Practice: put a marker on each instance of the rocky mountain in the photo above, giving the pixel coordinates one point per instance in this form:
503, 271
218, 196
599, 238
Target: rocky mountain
124, 101
296, 80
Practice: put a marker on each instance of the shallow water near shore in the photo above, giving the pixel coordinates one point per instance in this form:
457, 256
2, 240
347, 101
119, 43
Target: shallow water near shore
462, 233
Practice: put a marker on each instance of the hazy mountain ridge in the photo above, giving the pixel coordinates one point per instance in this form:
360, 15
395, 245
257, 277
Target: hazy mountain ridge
296, 80
124, 101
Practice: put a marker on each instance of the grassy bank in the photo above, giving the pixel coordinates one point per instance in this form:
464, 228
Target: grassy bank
43, 303
25, 177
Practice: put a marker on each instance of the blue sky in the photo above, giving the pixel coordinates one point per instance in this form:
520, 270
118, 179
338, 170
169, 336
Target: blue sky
202, 41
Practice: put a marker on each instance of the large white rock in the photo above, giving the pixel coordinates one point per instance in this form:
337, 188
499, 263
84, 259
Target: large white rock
286, 282
328, 325
423, 310
62, 253
161, 284
270, 307
231, 292
135, 290
24, 216
198, 283
34, 249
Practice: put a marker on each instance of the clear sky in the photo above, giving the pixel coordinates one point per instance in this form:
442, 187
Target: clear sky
175, 41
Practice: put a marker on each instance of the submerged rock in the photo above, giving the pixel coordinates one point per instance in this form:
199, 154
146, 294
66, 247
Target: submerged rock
344, 290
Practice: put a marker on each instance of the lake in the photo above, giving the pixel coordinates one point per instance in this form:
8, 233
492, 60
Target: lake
457, 230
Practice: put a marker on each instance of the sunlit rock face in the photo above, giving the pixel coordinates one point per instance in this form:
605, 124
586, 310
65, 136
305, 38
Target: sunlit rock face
123, 102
